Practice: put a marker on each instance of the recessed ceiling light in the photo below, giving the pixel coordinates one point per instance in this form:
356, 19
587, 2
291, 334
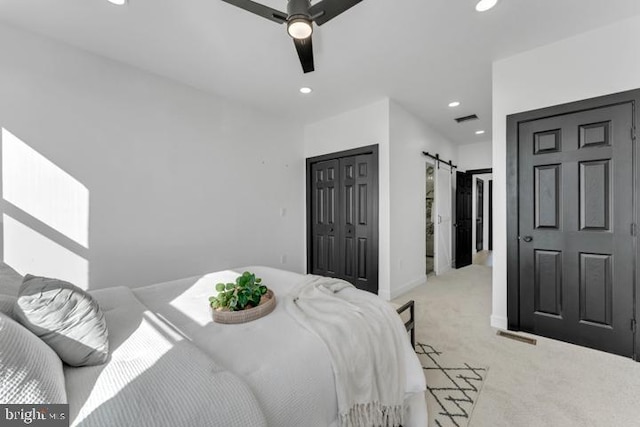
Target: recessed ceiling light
484, 5
454, 104
306, 90
118, 2
479, 132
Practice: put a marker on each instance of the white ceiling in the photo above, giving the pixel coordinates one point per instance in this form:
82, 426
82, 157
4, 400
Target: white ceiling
421, 53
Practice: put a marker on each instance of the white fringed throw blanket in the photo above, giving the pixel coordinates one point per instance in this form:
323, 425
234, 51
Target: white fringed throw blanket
363, 334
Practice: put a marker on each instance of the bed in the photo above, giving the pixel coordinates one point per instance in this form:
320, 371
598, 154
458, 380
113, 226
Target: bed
168, 358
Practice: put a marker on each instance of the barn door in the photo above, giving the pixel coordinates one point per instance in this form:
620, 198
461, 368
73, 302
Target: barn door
576, 262
342, 208
444, 225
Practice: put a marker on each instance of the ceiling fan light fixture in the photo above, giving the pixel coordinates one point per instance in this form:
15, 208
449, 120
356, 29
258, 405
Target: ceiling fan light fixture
299, 28
484, 5
118, 2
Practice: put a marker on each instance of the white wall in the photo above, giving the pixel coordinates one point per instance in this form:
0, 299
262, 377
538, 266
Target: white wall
364, 126
478, 155
401, 137
179, 182
409, 137
596, 63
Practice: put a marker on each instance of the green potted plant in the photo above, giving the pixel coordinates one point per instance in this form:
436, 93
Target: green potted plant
244, 300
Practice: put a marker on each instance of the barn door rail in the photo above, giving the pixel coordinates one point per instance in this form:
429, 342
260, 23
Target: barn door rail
438, 160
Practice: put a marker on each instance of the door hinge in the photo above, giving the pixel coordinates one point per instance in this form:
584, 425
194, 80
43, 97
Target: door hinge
633, 133
633, 325
634, 230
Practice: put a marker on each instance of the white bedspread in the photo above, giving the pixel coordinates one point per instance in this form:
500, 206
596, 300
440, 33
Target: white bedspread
154, 377
293, 383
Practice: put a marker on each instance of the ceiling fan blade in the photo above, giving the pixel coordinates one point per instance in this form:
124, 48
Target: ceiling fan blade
331, 9
305, 53
260, 9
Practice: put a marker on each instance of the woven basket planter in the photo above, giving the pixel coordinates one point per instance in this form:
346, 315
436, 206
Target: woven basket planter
266, 306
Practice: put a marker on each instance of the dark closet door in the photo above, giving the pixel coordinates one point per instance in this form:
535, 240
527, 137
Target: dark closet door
576, 246
464, 186
479, 214
343, 206
357, 221
325, 188
347, 219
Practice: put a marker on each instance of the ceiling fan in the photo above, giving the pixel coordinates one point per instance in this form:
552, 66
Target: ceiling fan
300, 17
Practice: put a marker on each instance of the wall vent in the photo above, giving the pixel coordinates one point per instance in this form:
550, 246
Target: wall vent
517, 337
467, 118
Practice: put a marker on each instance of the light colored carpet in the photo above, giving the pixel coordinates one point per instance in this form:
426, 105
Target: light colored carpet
453, 386
550, 384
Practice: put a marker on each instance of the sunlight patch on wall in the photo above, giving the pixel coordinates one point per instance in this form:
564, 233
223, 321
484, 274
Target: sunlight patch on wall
34, 184
28, 251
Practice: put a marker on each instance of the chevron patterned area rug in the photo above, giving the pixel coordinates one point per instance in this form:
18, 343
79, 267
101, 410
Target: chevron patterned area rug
453, 387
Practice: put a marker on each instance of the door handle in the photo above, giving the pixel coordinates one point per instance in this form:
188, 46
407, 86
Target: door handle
527, 239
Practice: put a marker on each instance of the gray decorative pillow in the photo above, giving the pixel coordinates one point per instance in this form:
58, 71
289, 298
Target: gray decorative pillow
10, 280
6, 304
65, 317
30, 371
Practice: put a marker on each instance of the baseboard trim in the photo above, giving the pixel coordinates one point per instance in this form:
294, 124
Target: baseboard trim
395, 293
499, 322
384, 294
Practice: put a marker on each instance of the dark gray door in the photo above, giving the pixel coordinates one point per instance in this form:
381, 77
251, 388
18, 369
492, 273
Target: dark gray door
576, 211
464, 196
490, 214
479, 214
343, 206
325, 189
356, 223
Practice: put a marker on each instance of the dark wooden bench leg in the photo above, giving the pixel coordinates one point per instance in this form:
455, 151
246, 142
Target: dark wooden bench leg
411, 323
412, 313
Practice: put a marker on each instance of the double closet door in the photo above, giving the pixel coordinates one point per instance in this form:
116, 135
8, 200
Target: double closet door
343, 208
